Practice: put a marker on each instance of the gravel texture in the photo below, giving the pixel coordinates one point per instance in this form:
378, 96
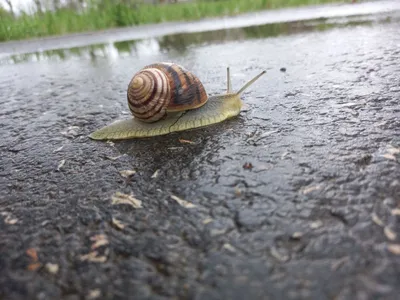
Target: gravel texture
297, 198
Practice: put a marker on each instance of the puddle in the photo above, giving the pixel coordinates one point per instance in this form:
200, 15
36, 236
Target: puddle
181, 42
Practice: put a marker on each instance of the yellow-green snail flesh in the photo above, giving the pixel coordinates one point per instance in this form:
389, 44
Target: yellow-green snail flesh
165, 98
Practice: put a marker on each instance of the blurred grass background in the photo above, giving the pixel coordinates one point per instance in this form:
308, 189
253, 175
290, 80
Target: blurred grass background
56, 18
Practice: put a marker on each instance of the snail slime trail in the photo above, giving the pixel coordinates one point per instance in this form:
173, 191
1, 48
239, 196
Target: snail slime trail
165, 98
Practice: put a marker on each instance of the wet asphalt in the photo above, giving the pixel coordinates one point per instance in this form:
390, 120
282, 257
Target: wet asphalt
296, 198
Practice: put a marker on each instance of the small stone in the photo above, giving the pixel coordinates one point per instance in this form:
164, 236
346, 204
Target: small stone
220, 226
71, 131
297, 235
52, 268
316, 224
364, 160
250, 219
94, 294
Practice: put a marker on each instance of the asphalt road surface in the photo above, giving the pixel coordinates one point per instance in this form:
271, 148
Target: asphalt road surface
296, 198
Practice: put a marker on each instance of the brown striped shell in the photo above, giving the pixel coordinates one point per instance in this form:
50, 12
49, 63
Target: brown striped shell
161, 88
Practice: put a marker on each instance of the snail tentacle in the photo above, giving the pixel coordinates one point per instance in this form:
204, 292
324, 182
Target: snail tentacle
229, 88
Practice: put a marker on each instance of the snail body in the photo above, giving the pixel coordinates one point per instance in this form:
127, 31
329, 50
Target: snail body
165, 98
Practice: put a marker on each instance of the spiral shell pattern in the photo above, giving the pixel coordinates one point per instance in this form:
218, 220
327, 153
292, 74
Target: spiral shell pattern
161, 88
149, 95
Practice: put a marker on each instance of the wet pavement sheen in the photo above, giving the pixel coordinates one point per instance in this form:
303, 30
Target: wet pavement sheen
297, 198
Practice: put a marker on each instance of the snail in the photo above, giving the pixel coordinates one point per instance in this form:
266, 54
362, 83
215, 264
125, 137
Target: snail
165, 98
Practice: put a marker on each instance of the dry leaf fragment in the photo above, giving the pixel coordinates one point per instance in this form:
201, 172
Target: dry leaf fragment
117, 224
206, 221
155, 174
373, 285
393, 150
267, 133
94, 294
127, 173
377, 220
229, 247
182, 141
263, 167
61, 164
394, 248
381, 123
120, 198
338, 263
182, 202
395, 212
310, 189
32, 253
92, 257
279, 256
58, 149
390, 234
349, 104
248, 166
10, 220
215, 232
52, 268
114, 157
34, 266
297, 235
238, 192
389, 156
316, 224
99, 240
284, 154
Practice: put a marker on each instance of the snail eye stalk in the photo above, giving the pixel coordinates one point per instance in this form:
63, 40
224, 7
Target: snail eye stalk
228, 76
250, 83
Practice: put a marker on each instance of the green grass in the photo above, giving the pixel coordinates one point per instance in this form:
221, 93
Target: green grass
114, 14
